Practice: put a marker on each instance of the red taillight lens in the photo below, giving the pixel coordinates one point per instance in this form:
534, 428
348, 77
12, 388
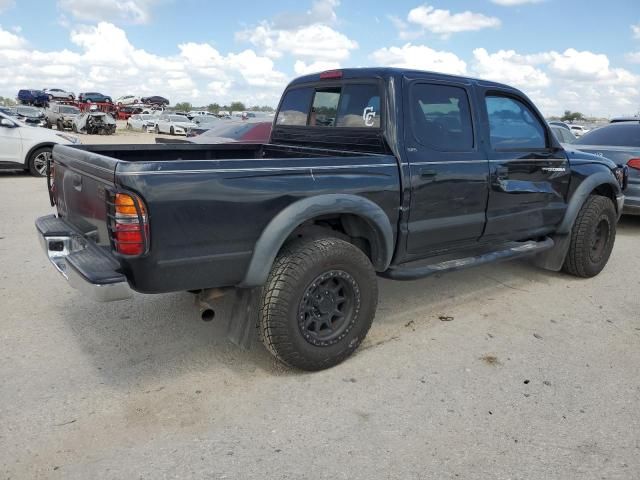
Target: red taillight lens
331, 74
129, 224
634, 163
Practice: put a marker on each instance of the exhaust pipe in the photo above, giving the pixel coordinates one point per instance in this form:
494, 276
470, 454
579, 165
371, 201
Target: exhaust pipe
206, 301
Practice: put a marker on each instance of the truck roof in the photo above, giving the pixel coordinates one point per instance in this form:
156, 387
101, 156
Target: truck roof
385, 72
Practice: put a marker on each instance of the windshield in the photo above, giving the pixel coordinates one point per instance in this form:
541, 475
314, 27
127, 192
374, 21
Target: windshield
70, 110
178, 118
28, 111
616, 134
146, 116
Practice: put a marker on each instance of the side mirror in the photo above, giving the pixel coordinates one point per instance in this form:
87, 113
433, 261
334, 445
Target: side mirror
5, 122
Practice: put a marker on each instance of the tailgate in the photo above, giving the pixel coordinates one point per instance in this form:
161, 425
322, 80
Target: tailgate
81, 182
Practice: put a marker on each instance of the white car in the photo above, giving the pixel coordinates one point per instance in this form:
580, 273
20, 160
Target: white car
173, 124
27, 147
578, 130
127, 100
200, 113
141, 121
58, 93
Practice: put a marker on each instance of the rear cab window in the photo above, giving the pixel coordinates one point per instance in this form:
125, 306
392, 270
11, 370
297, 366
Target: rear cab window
352, 105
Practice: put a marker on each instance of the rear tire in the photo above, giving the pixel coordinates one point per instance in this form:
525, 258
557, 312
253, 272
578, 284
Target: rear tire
38, 161
318, 303
592, 237
172, 131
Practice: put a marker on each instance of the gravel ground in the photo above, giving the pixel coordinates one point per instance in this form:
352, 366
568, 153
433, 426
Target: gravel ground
500, 372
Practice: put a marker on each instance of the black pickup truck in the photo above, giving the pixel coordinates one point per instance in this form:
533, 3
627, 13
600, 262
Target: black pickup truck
375, 171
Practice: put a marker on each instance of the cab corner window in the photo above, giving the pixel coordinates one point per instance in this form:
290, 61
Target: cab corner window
295, 107
442, 118
512, 125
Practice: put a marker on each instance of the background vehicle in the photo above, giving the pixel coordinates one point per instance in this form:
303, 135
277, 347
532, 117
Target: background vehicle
557, 123
625, 119
94, 123
33, 97
564, 135
141, 122
226, 132
61, 115
58, 93
619, 142
173, 124
32, 116
578, 130
155, 100
94, 97
350, 185
23, 147
128, 100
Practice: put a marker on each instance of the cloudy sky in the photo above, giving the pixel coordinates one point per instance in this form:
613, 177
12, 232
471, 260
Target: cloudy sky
565, 54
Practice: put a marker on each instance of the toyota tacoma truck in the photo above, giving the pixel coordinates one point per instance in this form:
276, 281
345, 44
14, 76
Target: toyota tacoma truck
368, 172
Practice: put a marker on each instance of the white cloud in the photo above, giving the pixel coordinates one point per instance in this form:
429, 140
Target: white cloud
126, 11
589, 66
636, 31
508, 67
10, 41
318, 42
445, 23
106, 61
322, 11
420, 57
633, 57
302, 68
511, 3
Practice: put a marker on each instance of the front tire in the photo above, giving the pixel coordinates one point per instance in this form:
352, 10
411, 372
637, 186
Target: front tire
592, 237
318, 303
38, 161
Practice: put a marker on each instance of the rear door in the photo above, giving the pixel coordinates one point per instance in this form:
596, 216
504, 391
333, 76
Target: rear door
529, 170
449, 172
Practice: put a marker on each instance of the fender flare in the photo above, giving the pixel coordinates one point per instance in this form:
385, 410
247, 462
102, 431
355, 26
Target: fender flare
553, 259
285, 222
583, 191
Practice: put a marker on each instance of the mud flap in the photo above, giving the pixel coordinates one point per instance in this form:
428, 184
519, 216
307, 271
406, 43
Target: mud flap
554, 258
242, 326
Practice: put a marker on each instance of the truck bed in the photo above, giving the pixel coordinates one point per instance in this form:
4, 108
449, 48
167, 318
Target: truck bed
208, 204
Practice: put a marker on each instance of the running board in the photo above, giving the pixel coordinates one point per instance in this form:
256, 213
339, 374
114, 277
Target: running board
516, 250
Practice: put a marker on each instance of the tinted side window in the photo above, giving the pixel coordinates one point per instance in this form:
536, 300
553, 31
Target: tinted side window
359, 107
442, 118
295, 107
512, 125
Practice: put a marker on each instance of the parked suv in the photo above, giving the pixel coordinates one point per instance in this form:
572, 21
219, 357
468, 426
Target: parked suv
61, 116
59, 94
94, 97
33, 97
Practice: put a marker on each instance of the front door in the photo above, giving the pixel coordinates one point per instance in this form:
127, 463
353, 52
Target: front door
449, 172
10, 143
529, 171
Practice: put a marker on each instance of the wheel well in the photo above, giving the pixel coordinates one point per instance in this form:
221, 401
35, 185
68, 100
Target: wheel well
348, 227
606, 190
33, 149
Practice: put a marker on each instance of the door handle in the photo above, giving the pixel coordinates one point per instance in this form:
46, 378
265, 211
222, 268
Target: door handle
77, 182
428, 173
502, 173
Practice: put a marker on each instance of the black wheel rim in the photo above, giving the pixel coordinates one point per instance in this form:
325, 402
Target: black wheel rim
600, 239
329, 308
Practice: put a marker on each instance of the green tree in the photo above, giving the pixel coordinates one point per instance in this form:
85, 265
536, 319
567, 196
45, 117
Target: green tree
570, 116
183, 107
237, 107
7, 102
213, 108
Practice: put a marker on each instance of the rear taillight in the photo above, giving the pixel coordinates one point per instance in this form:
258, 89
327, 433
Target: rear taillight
634, 163
129, 225
331, 75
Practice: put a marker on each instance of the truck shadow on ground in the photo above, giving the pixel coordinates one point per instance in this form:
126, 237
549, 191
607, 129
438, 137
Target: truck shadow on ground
154, 337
